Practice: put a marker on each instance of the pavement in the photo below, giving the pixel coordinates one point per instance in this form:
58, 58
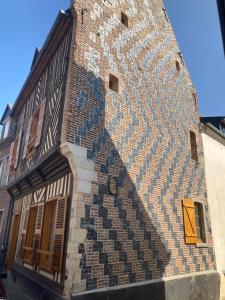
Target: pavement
13, 291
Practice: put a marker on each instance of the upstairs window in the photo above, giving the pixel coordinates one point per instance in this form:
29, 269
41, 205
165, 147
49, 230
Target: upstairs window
14, 152
34, 130
113, 83
177, 66
4, 171
194, 147
124, 19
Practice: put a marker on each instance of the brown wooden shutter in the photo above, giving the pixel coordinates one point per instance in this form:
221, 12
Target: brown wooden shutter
38, 228
29, 240
40, 123
59, 235
27, 138
11, 153
18, 149
189, 221
23, 233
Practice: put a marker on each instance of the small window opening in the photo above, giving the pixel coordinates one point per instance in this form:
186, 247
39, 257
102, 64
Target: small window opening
194, 148
195, 99
33, 131
113, 83
181, 57
177, 66
124, 19
165, 14
199, 219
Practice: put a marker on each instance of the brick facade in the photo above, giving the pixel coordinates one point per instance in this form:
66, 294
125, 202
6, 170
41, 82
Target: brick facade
140, 136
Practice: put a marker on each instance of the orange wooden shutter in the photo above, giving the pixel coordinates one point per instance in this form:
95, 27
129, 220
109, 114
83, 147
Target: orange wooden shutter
38, 227
189, 221
40, 123
59, 235
11, 153
27, 138
18, 149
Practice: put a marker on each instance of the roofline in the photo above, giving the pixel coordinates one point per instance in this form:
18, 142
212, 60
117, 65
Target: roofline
62, 14
214, 129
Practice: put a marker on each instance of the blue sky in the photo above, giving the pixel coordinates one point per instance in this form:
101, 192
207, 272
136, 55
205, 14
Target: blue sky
197, 29
25, 24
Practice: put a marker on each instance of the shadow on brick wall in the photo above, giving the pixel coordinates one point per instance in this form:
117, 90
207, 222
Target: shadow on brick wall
122, 244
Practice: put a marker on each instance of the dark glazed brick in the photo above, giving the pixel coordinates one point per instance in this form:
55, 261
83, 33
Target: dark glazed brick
113, 235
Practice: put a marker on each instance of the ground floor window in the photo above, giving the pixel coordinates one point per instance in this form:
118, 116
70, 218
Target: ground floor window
43, 236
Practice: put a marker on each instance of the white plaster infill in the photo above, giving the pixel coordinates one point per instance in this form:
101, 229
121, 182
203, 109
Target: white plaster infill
83, 169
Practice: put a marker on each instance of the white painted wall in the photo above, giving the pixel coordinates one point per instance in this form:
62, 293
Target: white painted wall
214, 153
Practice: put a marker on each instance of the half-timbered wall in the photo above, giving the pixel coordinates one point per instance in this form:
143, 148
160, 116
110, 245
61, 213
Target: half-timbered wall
46, 96
58, 188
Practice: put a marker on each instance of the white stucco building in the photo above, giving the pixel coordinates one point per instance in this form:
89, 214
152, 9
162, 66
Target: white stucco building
213, 135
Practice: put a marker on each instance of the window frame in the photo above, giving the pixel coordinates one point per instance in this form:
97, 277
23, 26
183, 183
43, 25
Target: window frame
1, 223
202, 243
193, 145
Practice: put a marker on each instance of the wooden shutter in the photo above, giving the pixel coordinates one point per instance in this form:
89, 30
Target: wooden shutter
27, 138
59, 234
189, 221
18, 149
29, 240
37, 237
11, 153
13, 241
40, 123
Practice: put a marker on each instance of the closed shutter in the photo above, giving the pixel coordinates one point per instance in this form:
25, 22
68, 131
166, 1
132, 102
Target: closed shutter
40, 123
59, 234
189, 221
11, 153
29, 240
27, 138
23, 234
37, 237
18, 149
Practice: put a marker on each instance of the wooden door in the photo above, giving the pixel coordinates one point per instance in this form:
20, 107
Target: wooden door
13, 241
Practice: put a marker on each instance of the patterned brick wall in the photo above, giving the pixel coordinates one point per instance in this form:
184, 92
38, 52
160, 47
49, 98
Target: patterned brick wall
139, 135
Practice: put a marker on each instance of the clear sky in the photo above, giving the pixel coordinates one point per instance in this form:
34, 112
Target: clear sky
25, 24
196, 24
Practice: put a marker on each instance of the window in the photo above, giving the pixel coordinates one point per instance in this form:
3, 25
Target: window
13, 154
1, 219
194, 225
194, 148
28, 249
4, 171
177, 66
199, 220
165, 14
124, 19
44, 235
113, 83
34, 130
195, 99
47, 240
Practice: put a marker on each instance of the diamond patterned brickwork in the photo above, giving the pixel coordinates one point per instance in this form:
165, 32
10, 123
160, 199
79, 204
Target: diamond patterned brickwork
139, 135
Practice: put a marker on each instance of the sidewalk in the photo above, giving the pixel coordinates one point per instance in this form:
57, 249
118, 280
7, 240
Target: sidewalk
13, 291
